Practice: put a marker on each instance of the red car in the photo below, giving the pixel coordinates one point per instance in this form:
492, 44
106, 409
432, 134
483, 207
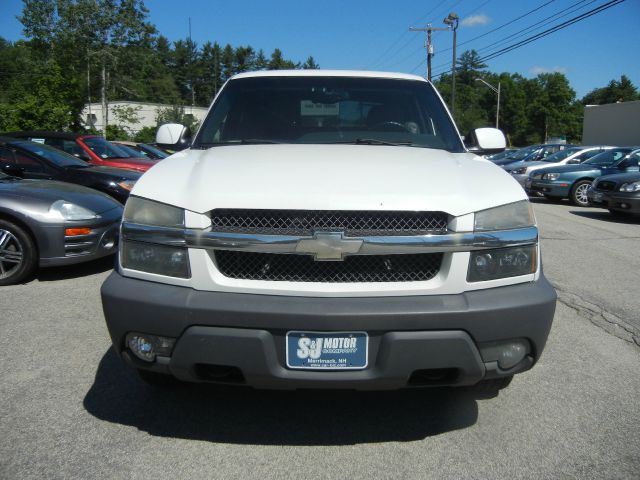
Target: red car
91, 148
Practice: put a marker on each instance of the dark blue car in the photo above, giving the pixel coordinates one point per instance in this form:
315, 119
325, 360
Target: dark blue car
573, 181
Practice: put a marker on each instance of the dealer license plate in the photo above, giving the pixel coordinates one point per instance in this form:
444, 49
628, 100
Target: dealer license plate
327, 350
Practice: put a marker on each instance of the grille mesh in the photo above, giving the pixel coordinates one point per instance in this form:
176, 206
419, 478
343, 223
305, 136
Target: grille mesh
305, 222
303, 268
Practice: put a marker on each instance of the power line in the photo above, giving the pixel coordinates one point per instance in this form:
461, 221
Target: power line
520, 33
539, 7
547, 32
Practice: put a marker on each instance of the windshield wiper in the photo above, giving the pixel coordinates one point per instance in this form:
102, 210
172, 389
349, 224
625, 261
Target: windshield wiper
77, 166
375, 141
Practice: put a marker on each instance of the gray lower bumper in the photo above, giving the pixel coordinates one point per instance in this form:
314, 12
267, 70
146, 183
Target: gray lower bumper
407, 334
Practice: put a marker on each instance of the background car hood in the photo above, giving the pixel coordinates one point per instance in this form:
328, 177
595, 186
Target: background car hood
110, 172
622, 177
522, 163
326, 177
45, 192
569, 168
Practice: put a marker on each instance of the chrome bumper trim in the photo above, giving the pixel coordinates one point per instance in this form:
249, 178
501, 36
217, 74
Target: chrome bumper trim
371, 245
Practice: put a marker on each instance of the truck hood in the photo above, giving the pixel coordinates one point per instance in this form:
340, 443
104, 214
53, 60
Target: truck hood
328, 177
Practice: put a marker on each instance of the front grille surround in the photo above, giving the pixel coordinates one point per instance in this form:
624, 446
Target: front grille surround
303, 268
306, 222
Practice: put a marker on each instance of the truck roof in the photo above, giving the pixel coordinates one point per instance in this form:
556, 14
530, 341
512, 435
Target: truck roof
328, 73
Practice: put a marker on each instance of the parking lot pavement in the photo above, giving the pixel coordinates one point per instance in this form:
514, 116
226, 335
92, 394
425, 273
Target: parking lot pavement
70, 408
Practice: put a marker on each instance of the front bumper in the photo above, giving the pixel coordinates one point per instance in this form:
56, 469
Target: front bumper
622, 201
245, 333
56, 249
554, 188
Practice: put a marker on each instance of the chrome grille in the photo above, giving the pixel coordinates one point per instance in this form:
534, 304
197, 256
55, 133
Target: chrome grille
306, 222
302, 268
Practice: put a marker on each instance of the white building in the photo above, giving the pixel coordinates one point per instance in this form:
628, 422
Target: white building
140, 114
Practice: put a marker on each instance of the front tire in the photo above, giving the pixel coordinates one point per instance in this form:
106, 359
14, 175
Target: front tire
18, 254
579, 193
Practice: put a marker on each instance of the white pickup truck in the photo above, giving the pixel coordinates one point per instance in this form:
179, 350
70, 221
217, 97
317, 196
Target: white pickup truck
329, 229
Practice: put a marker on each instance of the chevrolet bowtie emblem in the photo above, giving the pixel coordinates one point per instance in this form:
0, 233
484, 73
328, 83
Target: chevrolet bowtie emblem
329, 246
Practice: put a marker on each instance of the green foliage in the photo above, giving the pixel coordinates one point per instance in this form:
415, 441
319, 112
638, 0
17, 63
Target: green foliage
177, 114
44, 79
116, 132
531, 110
622, 91
145, 135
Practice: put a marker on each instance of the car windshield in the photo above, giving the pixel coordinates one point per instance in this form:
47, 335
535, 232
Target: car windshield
155, 151
104, 149
329, 110
522, 153
131, 151
53, 155
608, 157
561, 155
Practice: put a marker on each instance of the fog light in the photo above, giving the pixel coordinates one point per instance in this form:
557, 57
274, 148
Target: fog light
146, 347
508, 354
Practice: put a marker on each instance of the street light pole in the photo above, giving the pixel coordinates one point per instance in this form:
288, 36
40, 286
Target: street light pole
452, 20
496, 90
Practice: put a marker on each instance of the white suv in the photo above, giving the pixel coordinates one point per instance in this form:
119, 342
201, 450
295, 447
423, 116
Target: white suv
329, 229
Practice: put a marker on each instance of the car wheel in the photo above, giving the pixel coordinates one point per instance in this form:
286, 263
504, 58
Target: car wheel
18, 253
156, 379
493, 384
579, 193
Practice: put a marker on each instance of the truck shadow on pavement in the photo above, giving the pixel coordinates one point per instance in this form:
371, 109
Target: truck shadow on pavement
68, 272
247, 416
607, 216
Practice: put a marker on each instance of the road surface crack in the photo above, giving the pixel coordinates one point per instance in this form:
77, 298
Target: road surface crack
600, 317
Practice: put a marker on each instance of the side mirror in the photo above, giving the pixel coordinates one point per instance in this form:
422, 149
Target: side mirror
483, 141
174, 136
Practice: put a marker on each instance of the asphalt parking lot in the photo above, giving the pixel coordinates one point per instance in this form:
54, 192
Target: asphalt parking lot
71, 409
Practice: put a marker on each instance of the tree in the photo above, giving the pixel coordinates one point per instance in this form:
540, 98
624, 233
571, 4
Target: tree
622, 91
310, 64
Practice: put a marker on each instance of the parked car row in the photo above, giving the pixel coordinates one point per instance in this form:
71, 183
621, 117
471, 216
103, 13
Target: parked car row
62, 196
599, 175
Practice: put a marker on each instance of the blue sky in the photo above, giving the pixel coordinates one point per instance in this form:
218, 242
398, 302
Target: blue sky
372, 34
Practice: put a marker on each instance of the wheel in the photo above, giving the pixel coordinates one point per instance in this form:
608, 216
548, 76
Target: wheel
18, 253
493, 384
578, 193
156, 379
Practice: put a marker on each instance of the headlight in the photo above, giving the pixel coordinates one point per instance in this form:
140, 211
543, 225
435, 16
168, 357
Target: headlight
505, 217
127, 184
519, 171
64, 210
152, 258
502, 263
550, 176
147, 212
630, 187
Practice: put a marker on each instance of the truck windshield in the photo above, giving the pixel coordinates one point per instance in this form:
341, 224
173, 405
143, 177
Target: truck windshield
329, 110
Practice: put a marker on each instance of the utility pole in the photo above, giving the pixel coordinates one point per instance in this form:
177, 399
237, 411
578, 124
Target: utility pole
193, 91
452, 20
429, 45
